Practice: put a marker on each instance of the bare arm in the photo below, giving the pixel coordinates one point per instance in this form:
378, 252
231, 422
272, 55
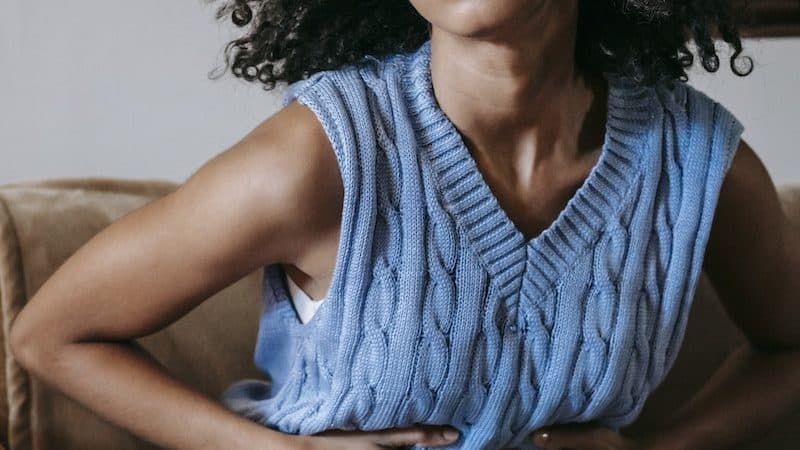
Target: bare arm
244, 208
753, 260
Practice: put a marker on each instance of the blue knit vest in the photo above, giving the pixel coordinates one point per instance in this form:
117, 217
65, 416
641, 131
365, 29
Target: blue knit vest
441, 312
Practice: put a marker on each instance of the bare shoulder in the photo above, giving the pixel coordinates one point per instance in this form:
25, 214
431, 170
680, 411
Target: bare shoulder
290, 170
255, 203
753, 254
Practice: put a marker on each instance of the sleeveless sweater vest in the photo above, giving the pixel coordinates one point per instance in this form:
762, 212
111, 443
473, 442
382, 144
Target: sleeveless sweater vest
441, 312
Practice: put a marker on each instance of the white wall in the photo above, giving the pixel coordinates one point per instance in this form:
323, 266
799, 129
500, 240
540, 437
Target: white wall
767, 102
117, 89
120, 89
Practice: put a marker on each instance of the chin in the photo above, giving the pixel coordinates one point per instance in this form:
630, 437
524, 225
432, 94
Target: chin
480, 18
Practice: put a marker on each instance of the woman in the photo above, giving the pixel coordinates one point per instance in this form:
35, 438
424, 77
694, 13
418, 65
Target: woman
512, 256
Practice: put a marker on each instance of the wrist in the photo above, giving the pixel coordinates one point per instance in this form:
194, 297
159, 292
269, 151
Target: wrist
248, 435
275, 440
668, 439
297, 442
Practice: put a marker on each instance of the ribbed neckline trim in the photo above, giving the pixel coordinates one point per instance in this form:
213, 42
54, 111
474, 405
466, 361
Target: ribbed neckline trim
501, 247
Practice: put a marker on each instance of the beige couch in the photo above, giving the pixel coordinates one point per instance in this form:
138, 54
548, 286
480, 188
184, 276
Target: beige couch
43, 222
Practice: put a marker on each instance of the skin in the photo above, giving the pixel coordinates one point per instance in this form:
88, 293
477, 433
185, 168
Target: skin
279, 188
532, 157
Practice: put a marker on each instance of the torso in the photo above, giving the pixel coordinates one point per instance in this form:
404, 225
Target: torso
587, 316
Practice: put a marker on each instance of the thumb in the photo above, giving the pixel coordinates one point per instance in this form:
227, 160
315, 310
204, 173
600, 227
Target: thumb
421, 435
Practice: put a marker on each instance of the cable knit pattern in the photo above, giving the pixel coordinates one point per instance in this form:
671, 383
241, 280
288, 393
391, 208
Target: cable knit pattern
441, 312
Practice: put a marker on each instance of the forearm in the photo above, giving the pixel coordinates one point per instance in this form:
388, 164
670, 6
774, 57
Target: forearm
748, 393
126, 386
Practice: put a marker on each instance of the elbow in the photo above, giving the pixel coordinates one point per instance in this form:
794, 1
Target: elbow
28, 343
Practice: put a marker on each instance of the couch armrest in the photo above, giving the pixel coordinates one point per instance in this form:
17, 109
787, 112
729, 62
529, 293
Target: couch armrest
41, 224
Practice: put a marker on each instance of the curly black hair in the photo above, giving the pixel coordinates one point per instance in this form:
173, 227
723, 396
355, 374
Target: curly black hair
647, 40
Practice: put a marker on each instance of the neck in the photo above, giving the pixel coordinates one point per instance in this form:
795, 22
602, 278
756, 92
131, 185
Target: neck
516, 96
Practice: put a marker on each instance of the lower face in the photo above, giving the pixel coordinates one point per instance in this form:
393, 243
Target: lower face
487, 19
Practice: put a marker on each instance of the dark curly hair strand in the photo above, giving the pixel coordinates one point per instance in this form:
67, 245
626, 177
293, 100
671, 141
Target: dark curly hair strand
648, 40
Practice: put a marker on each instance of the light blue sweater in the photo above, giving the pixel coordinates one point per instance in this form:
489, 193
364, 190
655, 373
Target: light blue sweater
440, 312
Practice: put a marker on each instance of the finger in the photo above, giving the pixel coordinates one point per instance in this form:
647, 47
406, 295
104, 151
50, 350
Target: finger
422, 435
583, 438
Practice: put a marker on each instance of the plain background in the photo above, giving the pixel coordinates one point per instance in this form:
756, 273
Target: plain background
117, 89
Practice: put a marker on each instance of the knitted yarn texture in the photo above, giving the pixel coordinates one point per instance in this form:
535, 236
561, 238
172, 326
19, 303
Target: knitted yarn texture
440, 311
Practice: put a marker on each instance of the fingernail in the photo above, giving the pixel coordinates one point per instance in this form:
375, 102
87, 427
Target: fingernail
450, 434
543, 436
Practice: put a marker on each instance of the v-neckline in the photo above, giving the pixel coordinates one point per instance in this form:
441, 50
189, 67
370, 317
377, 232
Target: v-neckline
498, 242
